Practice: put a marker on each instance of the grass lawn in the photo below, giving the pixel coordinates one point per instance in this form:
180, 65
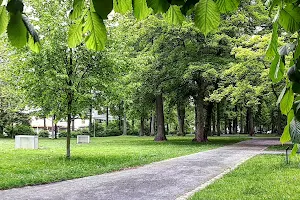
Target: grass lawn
48, 164
262, 177
280, 147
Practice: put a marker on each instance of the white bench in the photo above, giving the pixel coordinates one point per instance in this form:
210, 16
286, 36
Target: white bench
26, 142
83, 139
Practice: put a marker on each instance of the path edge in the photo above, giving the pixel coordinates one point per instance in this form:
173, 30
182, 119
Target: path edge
186, 196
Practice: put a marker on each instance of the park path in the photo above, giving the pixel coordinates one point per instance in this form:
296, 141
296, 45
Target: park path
170, 179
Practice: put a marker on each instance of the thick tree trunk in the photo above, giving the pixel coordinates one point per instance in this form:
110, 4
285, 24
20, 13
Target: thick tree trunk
230, 126
241, 123
152, 125
107, 113
181, 117
250, 122
55, 130
218, 120
160, 136
235, 121
209, 110
225, 125
142, 127
213, 122
199, 118
91, 119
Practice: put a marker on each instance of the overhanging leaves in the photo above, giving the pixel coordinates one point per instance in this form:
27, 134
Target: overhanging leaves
207, 16
226, 6
97, 32
3, 19
16, 30
75, 34
174, 15
103, 7
273, 45
140, 9
122, 6
78, 6
289, 18
286, 103
285, 137
276, 69
158, 6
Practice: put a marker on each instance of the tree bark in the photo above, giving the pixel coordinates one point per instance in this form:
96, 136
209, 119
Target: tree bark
218, 120
250, 122
235, 121
45, 124
124, 124
107, 113
199, 118
91, 119
209, 110
213, 122
152, 125
160, 136
181, 117
142, 127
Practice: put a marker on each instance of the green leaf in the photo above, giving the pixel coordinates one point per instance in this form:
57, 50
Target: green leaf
295, 131
174, 15
286, 103
294, 150
75, 34
272, 4
103, 7
289, 18
281, 96
16, 30
285, 137
273, 46
297, 51
207, 16
97, 32
122, 6
226, 6
189, 4
277, 69
34, 46
3, 19
140, 9
78, 6
296, 87
158, 6
15, 6
290, 116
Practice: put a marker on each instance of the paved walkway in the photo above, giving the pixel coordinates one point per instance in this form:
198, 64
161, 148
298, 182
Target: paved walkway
169, 179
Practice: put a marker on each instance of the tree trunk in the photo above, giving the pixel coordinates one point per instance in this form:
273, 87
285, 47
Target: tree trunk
235, 121
132, 125
230, 126
142, 127
55, 130
91, 119
73, 123
124, 124
199, 118
225, 125
213, 122
45, 124
250, 122
181, 117
218, 120
152, 125
209, 110
107, 116
160, 136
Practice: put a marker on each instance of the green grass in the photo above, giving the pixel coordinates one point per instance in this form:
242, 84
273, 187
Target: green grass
48, 164
264, 177
280, 147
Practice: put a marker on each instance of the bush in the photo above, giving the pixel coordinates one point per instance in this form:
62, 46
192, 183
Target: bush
20, 130
133, 132
44, 134
63, 134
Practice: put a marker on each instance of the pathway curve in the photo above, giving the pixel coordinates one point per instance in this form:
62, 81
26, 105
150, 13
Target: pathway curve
169, 179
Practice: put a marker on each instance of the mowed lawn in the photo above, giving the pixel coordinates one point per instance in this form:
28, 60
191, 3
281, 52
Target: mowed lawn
48, 164
264, 177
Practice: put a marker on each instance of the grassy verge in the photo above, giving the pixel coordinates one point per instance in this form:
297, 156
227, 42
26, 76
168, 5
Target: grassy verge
263, 177
280, 147
48, 164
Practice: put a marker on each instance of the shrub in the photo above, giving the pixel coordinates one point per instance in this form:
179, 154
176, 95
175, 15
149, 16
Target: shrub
20, 130
44, 134
63, 134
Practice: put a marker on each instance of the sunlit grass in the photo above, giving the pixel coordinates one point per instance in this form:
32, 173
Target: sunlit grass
48, 164
264, 177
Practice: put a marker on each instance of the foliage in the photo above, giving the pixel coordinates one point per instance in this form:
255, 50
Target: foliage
19, 130
44, 134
